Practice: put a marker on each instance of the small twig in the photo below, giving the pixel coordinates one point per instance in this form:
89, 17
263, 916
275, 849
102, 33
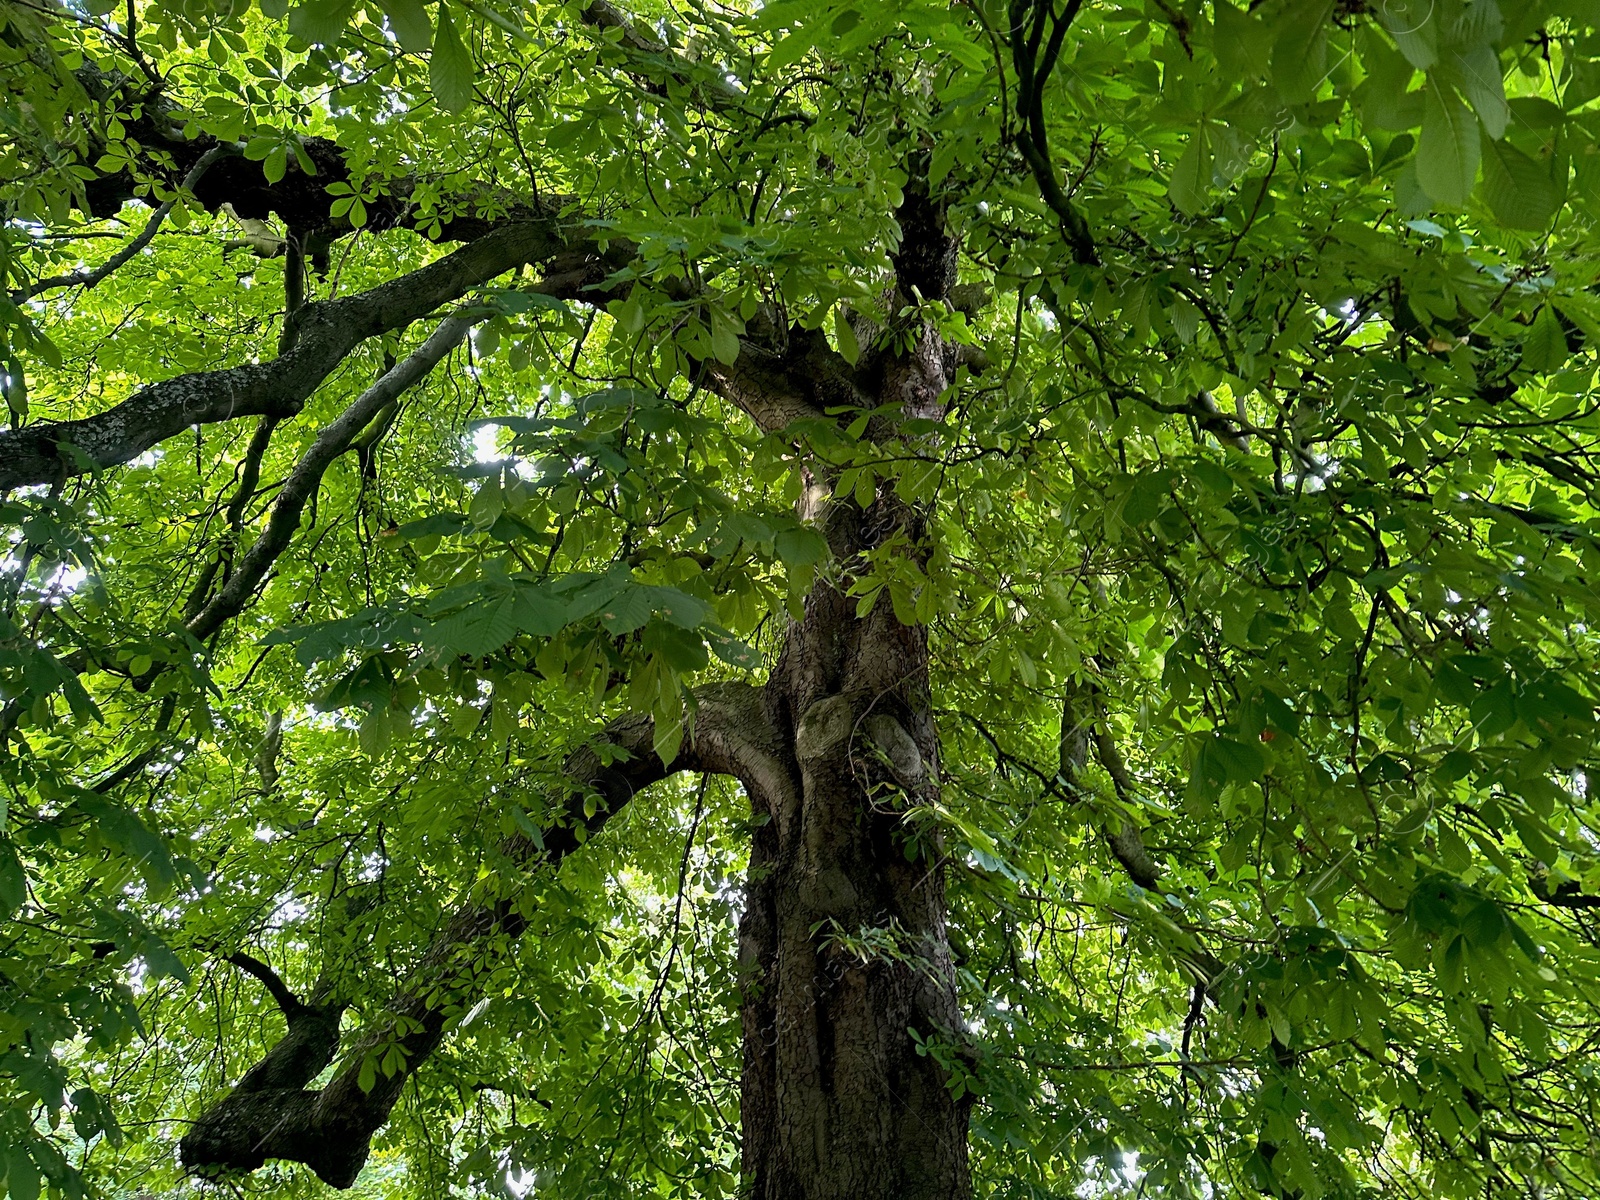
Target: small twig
88, 279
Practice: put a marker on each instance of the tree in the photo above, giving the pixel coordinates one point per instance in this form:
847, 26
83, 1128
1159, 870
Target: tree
811, 599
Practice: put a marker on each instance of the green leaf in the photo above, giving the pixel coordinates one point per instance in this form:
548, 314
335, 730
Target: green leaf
1191, 178
1300, 55
1240, 761
367, 1076
845, 335
1518, 190
725, 330
800, 547
1384, 96
409, 20
482, 628
683, 651
302, 157
1544, 349
131, 836
1147, 498
1447, 152
628, 610
1477, 72
678, 607
321, 22
794, 46
538, 613
1415, 28
1242, 41
162, 961
22, 1177
13, 880
450, 66
667, 737
731, 650
276, 164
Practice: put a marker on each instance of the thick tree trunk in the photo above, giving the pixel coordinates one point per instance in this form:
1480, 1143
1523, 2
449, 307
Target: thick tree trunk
843, 939
843, 943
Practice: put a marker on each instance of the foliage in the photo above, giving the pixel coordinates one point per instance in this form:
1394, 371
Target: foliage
1290, 492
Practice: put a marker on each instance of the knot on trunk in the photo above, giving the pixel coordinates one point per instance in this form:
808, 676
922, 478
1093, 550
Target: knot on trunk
270, 1115
897, 748
824, 726
245, 1129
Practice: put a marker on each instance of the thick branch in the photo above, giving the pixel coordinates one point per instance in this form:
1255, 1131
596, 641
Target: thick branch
307, 475
801, 379
326, 332
271, 980
1082, 726
1567, 894
301, 200
1127, 844
330, 1130
1033, 68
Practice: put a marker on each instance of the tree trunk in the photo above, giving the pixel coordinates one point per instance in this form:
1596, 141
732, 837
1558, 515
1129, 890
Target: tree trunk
843, 945
843, 941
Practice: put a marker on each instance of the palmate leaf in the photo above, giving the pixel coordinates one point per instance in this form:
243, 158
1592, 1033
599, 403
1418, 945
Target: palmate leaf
1243, 41
1414, 25
731, 650
132, 837
369, 629
495, 615
479, 629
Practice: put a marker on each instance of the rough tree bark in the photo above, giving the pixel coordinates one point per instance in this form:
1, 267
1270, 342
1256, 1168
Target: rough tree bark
838, 1100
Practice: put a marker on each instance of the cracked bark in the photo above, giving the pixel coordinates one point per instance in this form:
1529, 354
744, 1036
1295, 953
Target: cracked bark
837, 1102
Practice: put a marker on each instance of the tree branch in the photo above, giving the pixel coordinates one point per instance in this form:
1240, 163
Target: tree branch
88, 279
326, 332
1083, 726
288, 1002
303, 481
330, 1130
1032, 140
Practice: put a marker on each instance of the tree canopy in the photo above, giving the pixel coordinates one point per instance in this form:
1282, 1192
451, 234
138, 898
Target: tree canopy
815, 598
